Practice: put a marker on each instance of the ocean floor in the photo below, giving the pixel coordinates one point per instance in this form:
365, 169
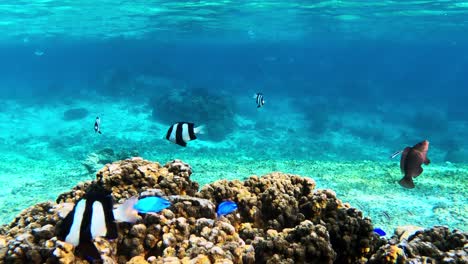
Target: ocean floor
42, 155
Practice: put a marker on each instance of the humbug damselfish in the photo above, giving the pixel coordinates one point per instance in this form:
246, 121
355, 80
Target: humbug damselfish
91, 217
182, 132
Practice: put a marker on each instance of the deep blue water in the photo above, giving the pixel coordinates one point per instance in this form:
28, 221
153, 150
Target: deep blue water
367, 71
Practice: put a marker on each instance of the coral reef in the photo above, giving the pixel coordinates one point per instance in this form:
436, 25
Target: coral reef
278, 201
456, 154
122, 82
317, 114
281, 218
434, 245
116, 82
198, 106
94, 161
75, 114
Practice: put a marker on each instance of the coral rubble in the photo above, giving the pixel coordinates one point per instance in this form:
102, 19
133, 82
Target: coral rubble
281, 218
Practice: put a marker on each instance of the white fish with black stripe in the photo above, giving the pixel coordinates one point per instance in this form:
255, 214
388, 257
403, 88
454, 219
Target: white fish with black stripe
97, 125
93, 216
182, 132
259, 99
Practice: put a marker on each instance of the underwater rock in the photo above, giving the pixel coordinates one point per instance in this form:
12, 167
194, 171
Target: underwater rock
199, 106
133, 176
187, 206
305, 243
404, 232
75, 114
456, 155
91, 163
117, 82
434, 245
432, 123
438, 243
389, 254
94, 161
317, 114
281, 218
124, 83
277, 201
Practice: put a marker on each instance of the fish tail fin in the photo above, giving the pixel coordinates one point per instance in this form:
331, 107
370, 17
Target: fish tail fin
407, 182
126, 211
99, 132
200, 129
89, 251
255, 96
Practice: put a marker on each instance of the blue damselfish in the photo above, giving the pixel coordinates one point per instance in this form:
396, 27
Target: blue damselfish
226, 207
379, 231
152, 204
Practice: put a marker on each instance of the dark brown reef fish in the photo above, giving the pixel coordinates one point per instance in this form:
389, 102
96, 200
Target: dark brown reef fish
410, 163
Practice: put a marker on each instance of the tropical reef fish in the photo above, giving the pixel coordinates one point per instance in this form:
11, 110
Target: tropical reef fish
259, 99
183, 132
379, 231
91, 217
410, 163
226, 207
97, 125
151, 204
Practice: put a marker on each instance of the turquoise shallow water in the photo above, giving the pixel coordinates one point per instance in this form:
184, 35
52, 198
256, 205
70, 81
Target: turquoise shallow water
346, 84
231, 19
47, 159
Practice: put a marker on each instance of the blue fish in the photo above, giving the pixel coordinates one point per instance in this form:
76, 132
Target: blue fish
152, 204
226, 207
379, 231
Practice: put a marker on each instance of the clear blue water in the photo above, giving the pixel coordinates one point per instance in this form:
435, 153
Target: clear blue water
346, 83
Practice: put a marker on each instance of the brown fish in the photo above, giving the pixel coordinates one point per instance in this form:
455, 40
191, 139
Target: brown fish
410, 163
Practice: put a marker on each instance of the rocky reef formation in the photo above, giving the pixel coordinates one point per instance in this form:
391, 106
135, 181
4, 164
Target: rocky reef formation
281, 218
96, 160
434, 245
75, 114
199, 106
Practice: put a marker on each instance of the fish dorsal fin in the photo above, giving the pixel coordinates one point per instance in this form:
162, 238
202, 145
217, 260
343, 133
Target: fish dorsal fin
404, 154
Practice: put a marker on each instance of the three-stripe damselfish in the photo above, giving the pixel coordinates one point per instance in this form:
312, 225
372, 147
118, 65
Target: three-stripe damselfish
182, 132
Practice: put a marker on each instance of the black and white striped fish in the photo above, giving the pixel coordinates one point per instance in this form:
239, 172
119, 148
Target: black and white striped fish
93, 216
182, 132
259, 99
97, 125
